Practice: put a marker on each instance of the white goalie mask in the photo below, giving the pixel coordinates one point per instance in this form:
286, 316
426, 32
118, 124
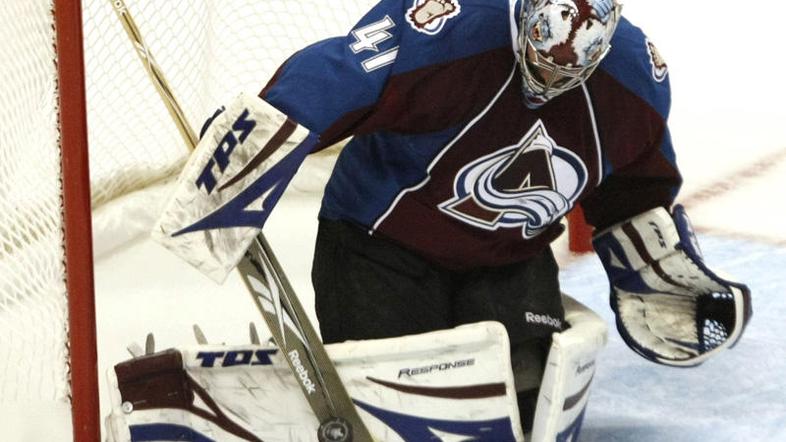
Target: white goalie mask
561, 42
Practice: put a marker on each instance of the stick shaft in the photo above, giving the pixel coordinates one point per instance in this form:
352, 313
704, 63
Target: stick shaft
156, 74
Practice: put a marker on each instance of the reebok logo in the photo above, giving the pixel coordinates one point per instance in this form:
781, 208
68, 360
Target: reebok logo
582, 368
533, 318
302, 373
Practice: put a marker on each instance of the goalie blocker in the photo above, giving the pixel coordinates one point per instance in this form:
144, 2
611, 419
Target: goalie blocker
246, 157
447, 384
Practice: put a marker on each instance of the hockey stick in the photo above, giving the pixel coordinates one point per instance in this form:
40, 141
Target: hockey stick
272, 293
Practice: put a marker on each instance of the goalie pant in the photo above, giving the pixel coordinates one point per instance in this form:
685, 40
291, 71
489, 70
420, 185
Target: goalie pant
415, 296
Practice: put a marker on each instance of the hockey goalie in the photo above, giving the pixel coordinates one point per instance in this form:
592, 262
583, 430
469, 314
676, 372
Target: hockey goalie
475, 128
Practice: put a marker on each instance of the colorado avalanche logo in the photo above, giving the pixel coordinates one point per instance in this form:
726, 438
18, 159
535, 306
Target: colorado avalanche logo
429, 16
529, 185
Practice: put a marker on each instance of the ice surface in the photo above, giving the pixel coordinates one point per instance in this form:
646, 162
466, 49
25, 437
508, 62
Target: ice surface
739, 395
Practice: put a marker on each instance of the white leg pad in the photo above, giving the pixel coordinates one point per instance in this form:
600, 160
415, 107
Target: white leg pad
445, 385
570, 368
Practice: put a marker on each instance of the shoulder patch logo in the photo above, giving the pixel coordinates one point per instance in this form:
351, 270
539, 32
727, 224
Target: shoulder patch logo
429, 16
659, 68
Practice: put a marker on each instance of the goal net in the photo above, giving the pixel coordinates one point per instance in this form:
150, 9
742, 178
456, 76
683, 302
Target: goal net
209, 50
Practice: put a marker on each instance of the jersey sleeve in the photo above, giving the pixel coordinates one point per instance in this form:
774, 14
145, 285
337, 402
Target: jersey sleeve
640, 168
330, 86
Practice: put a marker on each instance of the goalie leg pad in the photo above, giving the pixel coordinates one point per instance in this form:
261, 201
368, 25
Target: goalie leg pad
570, 368
449, 384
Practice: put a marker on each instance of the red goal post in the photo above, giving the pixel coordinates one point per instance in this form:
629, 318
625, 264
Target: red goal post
83, 360
48, 355
579, 232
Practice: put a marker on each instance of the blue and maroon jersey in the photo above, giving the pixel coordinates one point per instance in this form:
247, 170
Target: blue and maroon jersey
447, 160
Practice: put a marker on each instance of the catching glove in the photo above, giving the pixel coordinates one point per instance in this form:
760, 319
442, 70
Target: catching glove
670, 307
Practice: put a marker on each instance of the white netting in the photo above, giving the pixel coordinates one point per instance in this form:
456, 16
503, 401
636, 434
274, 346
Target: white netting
209, 50
32, 287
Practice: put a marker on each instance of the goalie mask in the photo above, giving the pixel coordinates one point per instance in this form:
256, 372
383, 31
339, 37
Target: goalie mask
561, 42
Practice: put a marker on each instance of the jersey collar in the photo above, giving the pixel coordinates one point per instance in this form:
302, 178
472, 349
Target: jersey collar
515, 7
